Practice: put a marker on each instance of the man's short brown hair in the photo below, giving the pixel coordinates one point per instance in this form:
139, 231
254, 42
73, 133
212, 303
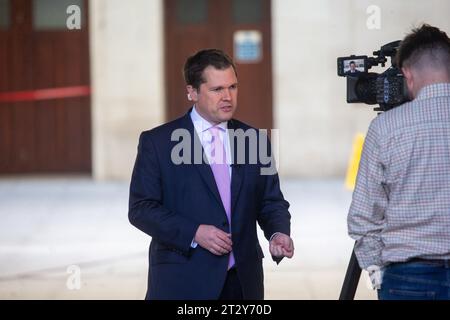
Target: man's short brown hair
196, 64
424, 40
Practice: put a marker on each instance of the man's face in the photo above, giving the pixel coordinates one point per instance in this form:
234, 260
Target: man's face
352, 66
216, 99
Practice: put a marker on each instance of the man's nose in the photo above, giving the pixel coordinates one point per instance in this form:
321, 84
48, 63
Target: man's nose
226, 95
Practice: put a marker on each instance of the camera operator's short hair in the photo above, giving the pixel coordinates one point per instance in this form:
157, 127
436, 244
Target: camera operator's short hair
426, 40
196, 64
352, 62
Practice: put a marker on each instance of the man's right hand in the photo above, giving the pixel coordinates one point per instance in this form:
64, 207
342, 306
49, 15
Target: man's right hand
213, 239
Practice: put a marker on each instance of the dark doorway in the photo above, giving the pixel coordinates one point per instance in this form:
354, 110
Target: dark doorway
242, 28
38, 134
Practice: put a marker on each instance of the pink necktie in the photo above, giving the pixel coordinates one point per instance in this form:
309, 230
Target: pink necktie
221, 173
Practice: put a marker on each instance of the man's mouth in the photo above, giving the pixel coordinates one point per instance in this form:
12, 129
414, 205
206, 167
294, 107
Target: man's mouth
226, 108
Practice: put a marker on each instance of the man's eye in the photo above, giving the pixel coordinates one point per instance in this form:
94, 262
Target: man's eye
217, 89
233, 87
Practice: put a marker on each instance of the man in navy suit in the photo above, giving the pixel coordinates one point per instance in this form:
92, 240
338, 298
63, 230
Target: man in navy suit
202, 215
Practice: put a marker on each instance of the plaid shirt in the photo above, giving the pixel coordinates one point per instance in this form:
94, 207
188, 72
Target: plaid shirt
401, 204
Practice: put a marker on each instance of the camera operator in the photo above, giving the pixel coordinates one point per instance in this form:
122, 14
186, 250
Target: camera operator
400, 212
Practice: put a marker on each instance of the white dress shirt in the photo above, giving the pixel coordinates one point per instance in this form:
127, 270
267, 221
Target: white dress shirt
202, 126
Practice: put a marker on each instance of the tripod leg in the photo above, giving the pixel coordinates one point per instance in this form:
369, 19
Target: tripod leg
351, 279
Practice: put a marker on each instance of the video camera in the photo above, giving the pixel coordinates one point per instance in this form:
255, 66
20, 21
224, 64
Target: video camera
387, 89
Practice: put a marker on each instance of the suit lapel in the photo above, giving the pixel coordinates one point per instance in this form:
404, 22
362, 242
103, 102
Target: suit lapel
237, 172
203, 168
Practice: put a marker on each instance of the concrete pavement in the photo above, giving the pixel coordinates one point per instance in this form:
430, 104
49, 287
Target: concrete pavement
50, 224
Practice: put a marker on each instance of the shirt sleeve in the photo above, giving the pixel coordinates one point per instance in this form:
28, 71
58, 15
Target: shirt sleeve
366, 218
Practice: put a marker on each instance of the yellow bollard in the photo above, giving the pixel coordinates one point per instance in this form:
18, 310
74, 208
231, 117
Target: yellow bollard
353, 165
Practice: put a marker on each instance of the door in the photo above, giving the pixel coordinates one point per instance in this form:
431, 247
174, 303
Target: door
44, 88
242, 28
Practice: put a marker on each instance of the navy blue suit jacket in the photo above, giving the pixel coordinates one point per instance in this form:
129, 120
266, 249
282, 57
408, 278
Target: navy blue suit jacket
169, 202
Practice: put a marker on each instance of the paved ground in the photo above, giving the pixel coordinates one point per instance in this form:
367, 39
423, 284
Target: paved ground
53, 228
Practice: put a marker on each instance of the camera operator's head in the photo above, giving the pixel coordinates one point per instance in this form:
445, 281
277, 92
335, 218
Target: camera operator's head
424, 58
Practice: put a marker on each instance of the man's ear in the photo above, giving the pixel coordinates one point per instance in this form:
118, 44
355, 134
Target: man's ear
407, 72
191, 93
409, 78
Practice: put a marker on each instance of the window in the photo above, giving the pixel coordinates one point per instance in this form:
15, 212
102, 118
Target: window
192, 11
247, 11
5, 14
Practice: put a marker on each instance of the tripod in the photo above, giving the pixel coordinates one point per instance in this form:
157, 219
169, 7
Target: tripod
351, 279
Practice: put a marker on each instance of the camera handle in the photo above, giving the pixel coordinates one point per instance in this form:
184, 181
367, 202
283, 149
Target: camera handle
388, 50
351, 279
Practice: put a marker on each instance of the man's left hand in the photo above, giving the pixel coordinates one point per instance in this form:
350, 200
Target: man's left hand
281, 245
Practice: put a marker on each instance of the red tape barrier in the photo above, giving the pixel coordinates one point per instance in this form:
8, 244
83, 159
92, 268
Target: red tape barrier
45, 94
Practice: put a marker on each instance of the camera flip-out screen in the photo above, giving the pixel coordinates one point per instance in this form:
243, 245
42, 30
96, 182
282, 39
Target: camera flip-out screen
352, 66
